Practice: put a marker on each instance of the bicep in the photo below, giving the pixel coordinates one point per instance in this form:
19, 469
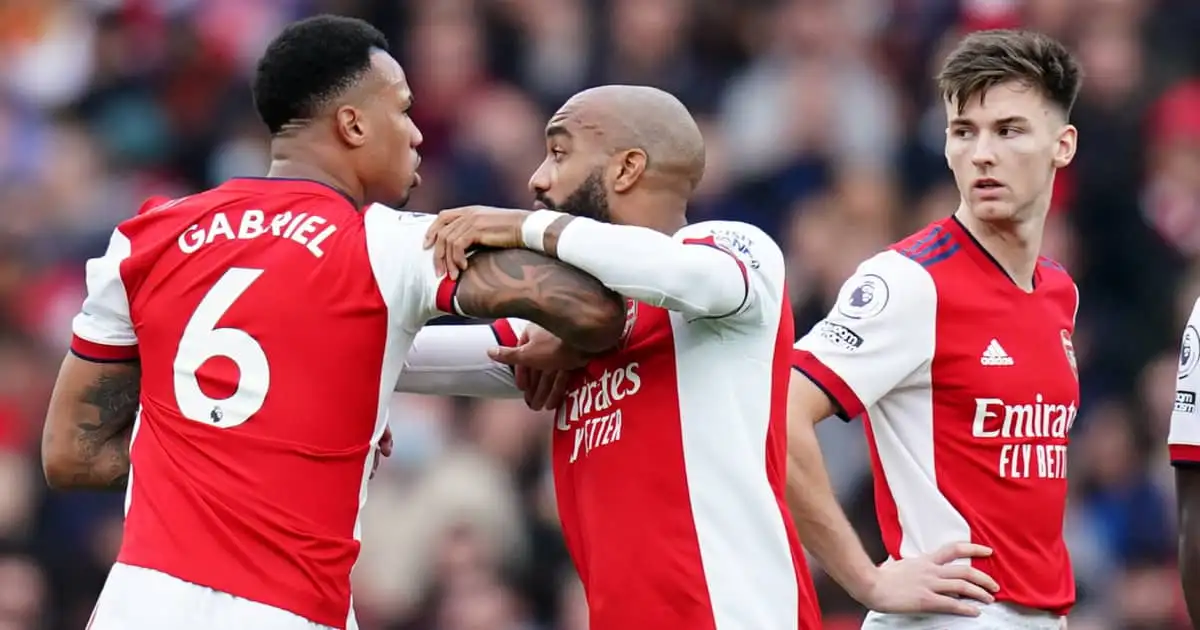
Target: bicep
91, 404
808, 404
878, 335
1187, 496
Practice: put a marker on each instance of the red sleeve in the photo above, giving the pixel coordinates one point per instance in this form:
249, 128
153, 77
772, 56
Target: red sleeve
849, 406
505, 335
1184, 453
101, 353
446, 292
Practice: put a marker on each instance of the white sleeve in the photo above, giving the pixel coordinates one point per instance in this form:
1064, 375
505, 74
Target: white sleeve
1183, 441
403, 268
714, 270
453, 361
878, 335
103, 330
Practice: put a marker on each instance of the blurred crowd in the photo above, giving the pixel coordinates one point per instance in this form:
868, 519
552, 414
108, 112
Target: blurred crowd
822, 128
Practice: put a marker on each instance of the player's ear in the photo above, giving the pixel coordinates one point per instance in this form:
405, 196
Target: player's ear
1064, 152
351, 125
628, 167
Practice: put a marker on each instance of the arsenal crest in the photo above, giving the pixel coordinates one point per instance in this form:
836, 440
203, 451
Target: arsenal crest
631, 313
1069, 349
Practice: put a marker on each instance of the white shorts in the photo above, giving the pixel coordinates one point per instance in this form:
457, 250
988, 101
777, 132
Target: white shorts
998, 616
143, 599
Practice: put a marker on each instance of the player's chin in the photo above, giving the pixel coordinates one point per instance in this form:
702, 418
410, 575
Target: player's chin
993, 210
402, 196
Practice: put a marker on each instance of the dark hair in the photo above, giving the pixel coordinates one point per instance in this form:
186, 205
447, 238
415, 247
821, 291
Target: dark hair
309, 63
986, 59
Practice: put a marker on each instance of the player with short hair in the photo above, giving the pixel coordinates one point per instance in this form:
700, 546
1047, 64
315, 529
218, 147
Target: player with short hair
954, 347
668, 453
237, 348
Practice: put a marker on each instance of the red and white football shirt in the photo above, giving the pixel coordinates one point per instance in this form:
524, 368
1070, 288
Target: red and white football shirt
271, 318
669, 461
1183, 442
967, 387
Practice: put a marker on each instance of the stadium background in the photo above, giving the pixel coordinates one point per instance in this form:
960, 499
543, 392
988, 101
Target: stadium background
821, 129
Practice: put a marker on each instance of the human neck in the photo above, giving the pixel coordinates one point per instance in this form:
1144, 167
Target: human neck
292, 159
661, 213
1015, 245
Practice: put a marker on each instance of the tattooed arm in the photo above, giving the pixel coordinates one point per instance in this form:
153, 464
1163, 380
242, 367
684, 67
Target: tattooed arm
558, 297
498, 283
85, 441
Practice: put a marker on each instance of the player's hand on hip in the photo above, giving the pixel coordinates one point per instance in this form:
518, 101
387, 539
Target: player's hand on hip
930, 584
454, 232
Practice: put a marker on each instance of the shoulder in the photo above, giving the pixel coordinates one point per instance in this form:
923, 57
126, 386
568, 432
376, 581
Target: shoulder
929, 246
1054, 274
401, 216
888, 280
386, 222
745, 241
1058, 283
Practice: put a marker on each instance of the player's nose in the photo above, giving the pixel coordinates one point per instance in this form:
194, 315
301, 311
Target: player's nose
984, 153
539, 182
415, 138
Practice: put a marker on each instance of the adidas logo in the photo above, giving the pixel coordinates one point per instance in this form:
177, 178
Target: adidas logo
995, 355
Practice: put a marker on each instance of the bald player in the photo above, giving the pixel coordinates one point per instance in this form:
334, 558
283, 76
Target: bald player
668, 453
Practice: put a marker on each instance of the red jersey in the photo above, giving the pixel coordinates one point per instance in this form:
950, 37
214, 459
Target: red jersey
967, 386
669, 458
271, 318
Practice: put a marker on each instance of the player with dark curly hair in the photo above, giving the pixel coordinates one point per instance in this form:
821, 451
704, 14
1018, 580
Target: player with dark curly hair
233, 360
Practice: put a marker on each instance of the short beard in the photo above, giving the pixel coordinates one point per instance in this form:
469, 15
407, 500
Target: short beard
589, 200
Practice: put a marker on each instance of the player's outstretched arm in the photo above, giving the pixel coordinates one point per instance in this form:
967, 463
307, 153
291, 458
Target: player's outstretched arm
498, 283
85, 441
527, 285
1187, 489
699, 281
701, 277
454, 361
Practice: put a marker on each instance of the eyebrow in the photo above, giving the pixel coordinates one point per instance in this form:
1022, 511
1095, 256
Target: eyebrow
1010, 120
1013, 120
557, 130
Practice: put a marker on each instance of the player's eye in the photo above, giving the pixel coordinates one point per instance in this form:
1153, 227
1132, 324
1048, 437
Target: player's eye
960, 132
558, 154
1008, 132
